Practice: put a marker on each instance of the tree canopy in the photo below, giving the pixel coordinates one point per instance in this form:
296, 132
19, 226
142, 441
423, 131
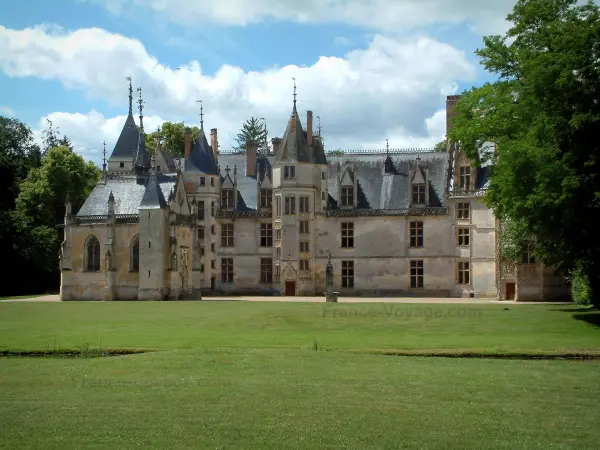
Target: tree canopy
543, 114
172, 138
253, 128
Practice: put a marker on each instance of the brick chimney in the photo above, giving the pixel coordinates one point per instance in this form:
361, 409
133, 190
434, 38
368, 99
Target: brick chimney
275, 142
251, 149
214, 142
187, 142
309, 128
451, 102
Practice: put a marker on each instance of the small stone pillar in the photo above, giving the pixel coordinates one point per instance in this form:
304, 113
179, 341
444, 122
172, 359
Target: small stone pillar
330, 296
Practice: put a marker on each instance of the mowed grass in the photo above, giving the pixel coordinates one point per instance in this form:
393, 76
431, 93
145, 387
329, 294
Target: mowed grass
296, 375
387, 327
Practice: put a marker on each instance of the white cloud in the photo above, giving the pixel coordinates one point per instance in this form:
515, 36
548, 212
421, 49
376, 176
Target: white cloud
387, 90
486, 17
7, 111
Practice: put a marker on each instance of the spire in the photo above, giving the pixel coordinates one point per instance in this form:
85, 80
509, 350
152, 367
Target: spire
387, 148
141, 109
104, 161
319, 126
201, 115
130, 97
294, 112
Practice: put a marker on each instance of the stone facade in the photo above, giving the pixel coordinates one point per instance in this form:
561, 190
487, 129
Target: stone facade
395, 223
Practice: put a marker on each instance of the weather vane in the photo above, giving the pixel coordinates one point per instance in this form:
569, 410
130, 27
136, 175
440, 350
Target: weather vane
141, 108
201, 115
130, 97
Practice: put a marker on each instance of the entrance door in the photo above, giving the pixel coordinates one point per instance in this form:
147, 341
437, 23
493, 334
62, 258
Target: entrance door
290, 288
510, 291
212, 283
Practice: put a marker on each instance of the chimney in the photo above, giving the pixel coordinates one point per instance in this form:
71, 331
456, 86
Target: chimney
214, 142
275, 144
187, 142
251, 148
309, 130
451, 102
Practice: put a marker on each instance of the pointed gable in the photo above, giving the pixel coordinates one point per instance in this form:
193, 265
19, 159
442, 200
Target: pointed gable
293, 146
153, 195
127, 143
202, 158
164, 162
418, 177
347, 178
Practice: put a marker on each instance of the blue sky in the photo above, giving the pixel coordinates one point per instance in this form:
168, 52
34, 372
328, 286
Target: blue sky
370, 69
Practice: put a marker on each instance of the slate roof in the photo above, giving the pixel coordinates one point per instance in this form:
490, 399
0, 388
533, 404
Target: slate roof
142, 158
128, 193
128, 140
376, 189
293, 146
201, 157
153, 195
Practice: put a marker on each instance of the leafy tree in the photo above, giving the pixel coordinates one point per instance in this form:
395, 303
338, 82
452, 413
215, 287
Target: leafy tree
543, 113
252, 128
50, 138
441, 146
65, 142
172, 137
336, 152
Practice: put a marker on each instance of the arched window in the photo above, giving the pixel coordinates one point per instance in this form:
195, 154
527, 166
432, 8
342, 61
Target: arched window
174, 261
135, 254
92, 254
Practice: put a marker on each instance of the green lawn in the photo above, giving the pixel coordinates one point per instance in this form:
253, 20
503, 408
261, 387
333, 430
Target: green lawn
247, 375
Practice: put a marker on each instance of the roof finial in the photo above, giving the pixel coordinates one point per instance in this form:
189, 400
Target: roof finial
295, 112
387, 147
141, 108
104, 161
319, 127
130, 97
201, 115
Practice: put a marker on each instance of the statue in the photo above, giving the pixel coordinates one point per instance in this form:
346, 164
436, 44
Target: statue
108, 261
184, 258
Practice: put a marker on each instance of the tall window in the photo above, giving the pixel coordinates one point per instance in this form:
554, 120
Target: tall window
463, 236
212, 209
92, 263
528, 257
347, 234
266, 235
418, 193
416, 234
289, 172
304, 227
463, 211
266, 270
202, 181
135, 254
212, 181
347, 196
227, 270
290, 205
416, 274
304, 266
201, 210
304, 247
304, 204
463, 272
200, 232
347, 274
465, 178
226, 198
266, 198
227, 235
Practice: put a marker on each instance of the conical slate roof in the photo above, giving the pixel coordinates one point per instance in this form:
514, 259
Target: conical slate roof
201, 157
128, 140
293, 147
153, 195
142, 159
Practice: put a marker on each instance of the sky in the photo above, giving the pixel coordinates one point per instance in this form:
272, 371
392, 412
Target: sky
370, 70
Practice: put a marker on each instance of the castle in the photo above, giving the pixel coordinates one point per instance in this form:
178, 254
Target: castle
404, 223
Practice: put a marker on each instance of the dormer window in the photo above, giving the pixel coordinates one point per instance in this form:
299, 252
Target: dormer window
266, 198
226, 198
347, 198
465, 178
418, 194
289, 172
202, 181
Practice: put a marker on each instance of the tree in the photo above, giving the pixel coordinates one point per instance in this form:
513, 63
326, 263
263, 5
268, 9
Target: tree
543, 113
254, 129
441, 146
50, 138
172, 137
65, 142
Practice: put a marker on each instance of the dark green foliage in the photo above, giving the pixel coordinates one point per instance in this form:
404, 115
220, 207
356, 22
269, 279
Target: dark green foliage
543, 113
254, 129
441, 146
336, 152
580, 289
172, 138
32, 201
